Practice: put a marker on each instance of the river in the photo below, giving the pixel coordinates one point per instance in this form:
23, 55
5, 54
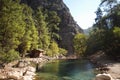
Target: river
67, 70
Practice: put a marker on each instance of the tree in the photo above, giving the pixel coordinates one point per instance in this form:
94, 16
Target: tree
105, 35
108, 9
95, 41
30, 39
12, 27
43, 33
109, 4
11, 24
113, 43
99, 15
62, 51
53, 22
116, 32
9, 56
80, 44
53, 49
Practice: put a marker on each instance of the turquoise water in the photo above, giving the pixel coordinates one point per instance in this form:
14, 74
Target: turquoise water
67, 70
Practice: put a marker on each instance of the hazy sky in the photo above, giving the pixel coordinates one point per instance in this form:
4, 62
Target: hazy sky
83, 11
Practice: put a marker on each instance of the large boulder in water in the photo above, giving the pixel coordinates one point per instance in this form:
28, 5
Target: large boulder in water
103, 77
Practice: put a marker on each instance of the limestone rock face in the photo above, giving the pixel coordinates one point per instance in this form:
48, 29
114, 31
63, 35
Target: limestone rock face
68, 27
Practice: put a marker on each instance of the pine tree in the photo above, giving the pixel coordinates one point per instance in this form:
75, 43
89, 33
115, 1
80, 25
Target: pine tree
30, 39
80, 44
44, 38
53, 24
12, 26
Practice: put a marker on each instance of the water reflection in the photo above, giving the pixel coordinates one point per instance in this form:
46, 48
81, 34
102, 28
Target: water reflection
67, 70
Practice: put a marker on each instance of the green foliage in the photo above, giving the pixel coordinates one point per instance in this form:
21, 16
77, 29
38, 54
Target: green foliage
9, 56
113, 43
49, 52
53, 49
62, 51
80, 44
22, 30
30, 38
99, 15
109, 4
47, 25
104, 40
105, 35
44, 38
95, 41
53, 21
116, 32
11, 24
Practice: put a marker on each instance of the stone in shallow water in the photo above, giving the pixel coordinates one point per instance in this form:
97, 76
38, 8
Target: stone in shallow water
67, 78
103, 77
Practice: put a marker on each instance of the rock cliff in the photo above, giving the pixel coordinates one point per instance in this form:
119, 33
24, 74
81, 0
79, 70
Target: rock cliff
68, 27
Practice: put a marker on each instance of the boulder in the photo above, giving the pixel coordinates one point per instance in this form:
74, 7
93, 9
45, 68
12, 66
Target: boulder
67, 78
30, 69
26, 73
14, 75
29, 73
27, 78
2, 76
22, 64
103, 77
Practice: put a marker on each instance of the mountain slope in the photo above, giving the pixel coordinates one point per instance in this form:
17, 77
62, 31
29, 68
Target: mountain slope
68, 27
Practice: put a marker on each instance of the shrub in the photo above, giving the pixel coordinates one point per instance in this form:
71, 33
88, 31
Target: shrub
62, 51
9, 56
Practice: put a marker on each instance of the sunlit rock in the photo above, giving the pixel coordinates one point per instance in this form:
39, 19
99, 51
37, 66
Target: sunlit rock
103, 77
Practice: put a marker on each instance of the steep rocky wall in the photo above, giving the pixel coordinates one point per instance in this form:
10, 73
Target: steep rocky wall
68, 27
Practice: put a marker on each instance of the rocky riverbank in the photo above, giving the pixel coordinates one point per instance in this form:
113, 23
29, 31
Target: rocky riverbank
104, 65
26, 73
21, 69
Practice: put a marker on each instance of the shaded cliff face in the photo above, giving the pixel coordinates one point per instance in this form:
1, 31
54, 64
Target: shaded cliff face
68, 27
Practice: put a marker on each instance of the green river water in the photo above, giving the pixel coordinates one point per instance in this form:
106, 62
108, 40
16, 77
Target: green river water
67, 70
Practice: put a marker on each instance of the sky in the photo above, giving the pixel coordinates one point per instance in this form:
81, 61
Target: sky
83, 11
